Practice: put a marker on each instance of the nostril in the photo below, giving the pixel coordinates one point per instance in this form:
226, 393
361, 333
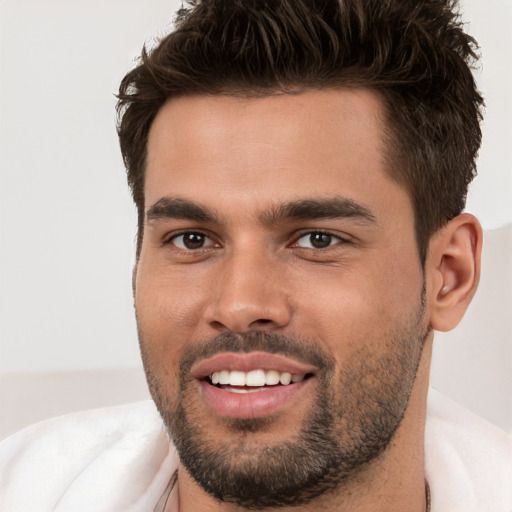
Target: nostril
261, 321
218, 325
256, 323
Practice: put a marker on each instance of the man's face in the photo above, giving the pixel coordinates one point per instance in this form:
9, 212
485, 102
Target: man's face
276, 247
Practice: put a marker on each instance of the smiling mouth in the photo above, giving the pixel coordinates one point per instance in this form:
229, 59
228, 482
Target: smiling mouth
253, 381
252, 385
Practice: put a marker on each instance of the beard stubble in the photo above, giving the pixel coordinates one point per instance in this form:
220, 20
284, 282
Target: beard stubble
350, 424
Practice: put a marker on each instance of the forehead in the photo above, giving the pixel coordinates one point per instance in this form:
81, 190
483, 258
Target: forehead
276, 148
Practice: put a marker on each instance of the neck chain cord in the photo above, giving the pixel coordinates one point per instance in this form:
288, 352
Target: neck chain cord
427, 495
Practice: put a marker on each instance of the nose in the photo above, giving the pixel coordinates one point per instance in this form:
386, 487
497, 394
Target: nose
249, 293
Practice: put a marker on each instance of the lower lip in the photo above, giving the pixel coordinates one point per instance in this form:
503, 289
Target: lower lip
251, 405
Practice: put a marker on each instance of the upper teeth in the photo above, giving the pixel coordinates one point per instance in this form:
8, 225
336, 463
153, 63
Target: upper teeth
254, 378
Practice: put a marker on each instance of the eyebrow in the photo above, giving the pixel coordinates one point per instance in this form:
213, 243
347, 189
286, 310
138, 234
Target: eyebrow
177, 208
304, 209
331, 208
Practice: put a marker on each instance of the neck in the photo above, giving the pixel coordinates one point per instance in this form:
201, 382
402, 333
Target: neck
394, 482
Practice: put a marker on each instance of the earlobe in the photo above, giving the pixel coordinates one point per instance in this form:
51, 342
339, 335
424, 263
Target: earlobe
453, 270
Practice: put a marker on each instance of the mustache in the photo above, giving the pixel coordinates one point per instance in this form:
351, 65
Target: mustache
303, 350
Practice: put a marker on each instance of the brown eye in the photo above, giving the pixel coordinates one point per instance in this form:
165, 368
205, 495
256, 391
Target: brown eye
317, 240
320, 240
192, 240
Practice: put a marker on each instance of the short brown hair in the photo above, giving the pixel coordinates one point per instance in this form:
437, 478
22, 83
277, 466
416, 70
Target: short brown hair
413, 53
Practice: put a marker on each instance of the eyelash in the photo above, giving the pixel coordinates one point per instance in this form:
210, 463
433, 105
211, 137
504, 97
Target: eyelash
341, 240
171, 240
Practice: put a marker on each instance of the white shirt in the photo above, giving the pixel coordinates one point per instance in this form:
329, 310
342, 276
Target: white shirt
119, 459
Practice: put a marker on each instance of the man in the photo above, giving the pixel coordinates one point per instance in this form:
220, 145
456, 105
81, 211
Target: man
300, 170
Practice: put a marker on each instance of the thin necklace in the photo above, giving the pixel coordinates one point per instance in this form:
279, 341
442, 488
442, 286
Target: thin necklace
427, 493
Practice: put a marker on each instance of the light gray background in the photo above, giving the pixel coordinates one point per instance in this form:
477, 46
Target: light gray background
67, 222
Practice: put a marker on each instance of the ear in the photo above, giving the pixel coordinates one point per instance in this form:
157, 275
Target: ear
453, 270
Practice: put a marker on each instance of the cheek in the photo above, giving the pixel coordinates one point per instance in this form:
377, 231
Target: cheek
167, 317
168, 301
346, 307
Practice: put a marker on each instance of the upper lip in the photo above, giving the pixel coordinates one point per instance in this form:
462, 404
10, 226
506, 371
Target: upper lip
243, 362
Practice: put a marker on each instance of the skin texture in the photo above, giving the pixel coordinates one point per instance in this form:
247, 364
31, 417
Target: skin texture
362, 301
